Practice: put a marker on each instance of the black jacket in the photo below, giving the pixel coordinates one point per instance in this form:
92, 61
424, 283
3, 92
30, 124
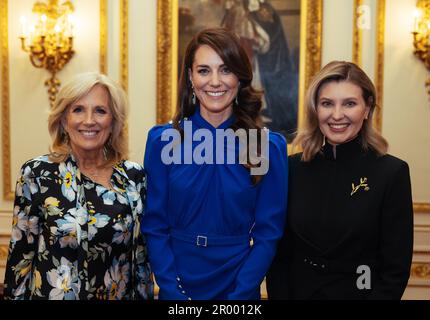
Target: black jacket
346, 208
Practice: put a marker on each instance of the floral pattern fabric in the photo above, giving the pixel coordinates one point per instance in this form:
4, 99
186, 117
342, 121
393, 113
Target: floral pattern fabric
74, 239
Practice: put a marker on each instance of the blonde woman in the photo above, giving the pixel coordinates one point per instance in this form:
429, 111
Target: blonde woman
350, 221
77, 210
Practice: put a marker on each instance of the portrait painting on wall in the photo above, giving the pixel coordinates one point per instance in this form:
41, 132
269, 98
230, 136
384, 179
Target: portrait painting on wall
269, 30
281, 37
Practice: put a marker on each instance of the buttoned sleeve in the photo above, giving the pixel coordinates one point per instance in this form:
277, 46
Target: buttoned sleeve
270, 214
155, 224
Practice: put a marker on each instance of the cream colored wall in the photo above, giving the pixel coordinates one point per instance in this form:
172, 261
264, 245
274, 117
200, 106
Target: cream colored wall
142, 72
337, 30
406, 125
406, 102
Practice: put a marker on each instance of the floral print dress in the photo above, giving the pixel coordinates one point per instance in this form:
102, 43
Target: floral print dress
75, 239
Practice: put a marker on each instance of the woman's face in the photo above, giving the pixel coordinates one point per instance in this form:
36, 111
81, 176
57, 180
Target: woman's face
89, 120
214, 84
341, 111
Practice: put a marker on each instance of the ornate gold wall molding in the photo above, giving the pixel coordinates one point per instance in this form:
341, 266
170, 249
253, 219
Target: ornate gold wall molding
123, 20
420, 270
164, 60
310, 49
103, 36
357, 51
379, 81
357, 38
313, 33
422, 207
3, 252
123, 44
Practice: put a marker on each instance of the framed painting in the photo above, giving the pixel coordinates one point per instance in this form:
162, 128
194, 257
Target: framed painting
288, 54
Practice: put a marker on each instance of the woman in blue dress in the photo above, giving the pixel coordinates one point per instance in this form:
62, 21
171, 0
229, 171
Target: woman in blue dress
212, 224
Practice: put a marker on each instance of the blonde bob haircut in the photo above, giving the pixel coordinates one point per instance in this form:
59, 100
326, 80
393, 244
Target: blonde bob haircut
116, 147
310, 139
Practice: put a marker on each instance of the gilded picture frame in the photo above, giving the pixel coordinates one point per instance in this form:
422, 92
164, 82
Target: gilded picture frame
368, 47
167, 53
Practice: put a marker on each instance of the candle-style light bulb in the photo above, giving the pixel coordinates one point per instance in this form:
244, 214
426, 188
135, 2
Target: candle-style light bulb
23, 22
428, 33
417, 15
32, 34
70, 24
43, 19
57, 30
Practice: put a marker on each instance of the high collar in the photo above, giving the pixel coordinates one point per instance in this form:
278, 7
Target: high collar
203, 123
344, 151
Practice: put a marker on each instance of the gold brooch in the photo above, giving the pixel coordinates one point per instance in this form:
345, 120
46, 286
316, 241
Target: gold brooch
363, 184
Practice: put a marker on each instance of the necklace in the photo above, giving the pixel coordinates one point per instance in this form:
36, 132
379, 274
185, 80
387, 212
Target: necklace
102, 177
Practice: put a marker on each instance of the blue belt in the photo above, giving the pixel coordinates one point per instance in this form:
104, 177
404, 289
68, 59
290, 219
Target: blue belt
201, 240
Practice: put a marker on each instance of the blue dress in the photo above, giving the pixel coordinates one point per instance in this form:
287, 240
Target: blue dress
211, 233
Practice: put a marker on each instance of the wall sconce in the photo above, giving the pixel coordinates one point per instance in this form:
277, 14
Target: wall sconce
50, 41
421, 33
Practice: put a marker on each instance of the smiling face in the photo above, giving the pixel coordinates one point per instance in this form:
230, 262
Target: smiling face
341, 111
214, 84
88, 121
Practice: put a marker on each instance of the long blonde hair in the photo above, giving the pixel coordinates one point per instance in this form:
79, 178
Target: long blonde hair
310, 138
116, 148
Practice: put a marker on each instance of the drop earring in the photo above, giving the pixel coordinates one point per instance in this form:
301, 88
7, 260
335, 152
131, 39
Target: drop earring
193, 98
236, 100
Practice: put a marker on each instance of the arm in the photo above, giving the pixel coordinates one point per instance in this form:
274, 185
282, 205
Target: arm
270, 213
142, 269
396, 238
24, 238
155, 225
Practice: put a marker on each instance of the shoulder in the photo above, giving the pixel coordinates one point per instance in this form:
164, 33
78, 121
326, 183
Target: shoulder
34, 166
130, 165
277, 142
392, 165
277, 139
295, 158
133, 170
38, 160
277, 146
155, 135
156, 131
392, 160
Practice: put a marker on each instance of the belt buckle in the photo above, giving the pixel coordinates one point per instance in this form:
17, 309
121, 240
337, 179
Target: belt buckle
202, 241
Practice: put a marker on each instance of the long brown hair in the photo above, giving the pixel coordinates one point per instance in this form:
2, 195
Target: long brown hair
227, 45
310, 138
